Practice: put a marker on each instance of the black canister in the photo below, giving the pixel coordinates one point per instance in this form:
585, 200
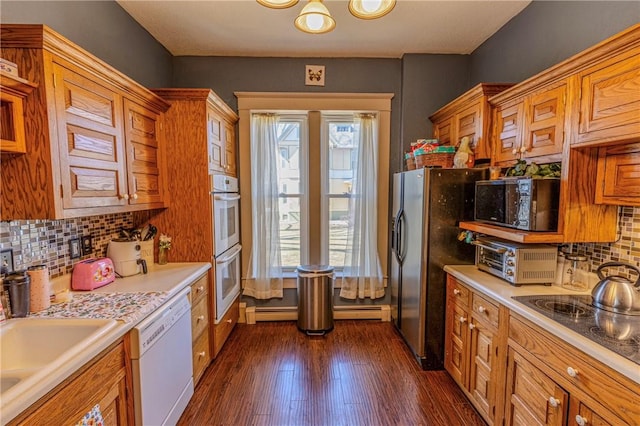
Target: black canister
17, 284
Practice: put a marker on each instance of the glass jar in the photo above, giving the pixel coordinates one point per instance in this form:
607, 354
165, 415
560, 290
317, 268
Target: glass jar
576, 272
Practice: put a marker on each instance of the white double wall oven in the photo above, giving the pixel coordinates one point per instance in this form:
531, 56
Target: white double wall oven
226, 230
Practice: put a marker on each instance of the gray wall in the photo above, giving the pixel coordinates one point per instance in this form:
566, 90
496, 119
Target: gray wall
102, 28
545, 33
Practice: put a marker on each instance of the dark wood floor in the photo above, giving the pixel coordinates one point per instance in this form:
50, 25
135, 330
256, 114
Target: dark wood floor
361, 373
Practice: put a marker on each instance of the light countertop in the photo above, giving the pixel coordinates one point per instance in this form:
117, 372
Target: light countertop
501, 291
161, 284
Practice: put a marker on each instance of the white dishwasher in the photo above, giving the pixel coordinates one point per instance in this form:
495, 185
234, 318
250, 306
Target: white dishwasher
162, 363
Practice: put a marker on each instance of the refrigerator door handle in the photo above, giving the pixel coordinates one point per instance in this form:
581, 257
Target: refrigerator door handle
400, 230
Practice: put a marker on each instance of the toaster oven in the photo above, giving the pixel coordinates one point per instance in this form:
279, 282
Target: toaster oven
517, 263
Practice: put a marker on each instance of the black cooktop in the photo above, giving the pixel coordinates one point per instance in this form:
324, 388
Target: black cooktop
617, 332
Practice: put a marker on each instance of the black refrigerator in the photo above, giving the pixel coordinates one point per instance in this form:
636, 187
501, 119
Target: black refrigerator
428, 205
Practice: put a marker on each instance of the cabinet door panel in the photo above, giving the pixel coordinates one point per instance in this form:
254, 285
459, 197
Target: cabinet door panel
143, 155
216, 145
610, 101
508, 132
91, 150
619, 175
482, 364
469, 123
456, 342
230, 150
443, 131
529, 392
544, 118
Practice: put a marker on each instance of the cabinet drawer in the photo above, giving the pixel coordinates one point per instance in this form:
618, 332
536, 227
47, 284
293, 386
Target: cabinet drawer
457, 291
593, 380
201, 356
199, 318
224, 328
485, 311
199, 289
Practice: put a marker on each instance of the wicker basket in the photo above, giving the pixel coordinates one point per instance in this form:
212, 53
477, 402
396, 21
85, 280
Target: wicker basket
438, 159
411, 163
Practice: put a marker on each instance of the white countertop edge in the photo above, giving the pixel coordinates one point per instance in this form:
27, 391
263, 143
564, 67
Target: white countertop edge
180, 274
501, 291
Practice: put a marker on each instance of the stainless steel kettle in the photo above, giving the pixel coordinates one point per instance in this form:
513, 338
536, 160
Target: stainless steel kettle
616, 293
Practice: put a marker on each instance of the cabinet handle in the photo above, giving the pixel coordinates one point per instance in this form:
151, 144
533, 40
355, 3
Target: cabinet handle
229, 321
201, 288
462, 319
514, 151
481, 309
572, 372
201, 354
200, 318
523, 149
581, 420
471, 326
456, 291
135, 196
554, 402
125, 196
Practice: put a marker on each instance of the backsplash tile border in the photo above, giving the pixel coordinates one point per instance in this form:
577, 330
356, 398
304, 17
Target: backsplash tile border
37, 242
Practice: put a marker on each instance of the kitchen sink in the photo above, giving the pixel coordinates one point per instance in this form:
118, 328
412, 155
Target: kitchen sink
31, 348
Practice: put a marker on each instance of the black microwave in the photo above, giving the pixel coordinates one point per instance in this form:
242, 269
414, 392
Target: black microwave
522, 203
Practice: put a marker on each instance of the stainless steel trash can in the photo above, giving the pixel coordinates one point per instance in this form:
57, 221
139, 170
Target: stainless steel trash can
315, 299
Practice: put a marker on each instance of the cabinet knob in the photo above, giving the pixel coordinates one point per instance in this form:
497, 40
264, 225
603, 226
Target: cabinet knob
229, 321
481, 309
201, 354
581, 420
523, 149
456, 291
201, 318
462, 319
201, 288
554, 402
125, 196
514, 151
572, 372
471, 326
135, 196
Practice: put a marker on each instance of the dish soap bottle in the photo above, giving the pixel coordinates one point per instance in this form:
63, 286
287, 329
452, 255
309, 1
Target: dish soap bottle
464, 157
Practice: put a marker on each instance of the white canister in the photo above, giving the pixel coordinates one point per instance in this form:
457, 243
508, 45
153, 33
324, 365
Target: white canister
39, 293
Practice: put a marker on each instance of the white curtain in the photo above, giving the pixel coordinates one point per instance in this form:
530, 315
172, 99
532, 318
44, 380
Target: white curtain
363, 272
264, 277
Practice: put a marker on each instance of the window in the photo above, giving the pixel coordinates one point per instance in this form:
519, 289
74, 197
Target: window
325, 167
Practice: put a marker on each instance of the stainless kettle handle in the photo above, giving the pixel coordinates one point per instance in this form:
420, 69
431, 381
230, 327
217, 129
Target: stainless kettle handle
626, 265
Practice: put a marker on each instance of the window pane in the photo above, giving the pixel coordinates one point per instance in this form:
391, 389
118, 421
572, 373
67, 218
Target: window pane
338, 230
289, 187
342, 157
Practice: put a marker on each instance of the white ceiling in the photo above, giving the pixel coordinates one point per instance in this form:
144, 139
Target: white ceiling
245, 28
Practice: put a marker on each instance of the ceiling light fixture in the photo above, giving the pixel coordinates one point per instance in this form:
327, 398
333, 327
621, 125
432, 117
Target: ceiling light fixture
315, 18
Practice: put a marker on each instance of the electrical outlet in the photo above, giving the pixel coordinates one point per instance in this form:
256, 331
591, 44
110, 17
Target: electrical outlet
87, 244
7, 259
74, 248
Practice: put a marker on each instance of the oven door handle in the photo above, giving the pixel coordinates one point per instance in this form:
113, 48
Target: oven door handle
224, 197
229, 256
500, 250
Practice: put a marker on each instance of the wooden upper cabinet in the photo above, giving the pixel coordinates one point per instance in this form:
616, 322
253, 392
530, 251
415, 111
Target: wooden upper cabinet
13, 91
530, 127
94, 144
216, 143
618, 175
467, 115
221, 122
609, 108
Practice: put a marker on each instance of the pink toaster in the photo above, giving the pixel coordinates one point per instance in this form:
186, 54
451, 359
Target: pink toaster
92, 273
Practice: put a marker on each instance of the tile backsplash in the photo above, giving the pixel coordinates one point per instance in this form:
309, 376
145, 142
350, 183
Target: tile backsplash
37, 242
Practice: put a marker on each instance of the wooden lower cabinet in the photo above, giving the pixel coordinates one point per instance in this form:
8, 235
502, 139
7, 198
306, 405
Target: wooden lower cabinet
472, 346
200, 327
594, 390
105, 381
